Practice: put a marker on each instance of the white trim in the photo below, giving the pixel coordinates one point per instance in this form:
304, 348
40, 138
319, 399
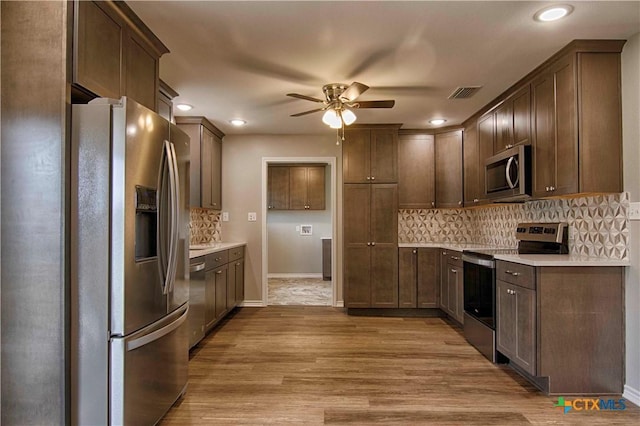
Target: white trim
632, 395
334, 219
295, 275
339, 304
252, 304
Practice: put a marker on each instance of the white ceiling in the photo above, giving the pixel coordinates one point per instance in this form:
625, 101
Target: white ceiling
238, 59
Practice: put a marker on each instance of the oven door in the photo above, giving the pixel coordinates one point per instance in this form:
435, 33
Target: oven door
480, 289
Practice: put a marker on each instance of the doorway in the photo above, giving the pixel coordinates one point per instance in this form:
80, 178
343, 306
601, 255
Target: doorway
297, 242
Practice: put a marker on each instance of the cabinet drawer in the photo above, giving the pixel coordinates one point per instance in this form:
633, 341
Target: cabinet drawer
454, 258
217, 259
236, 253
514, 273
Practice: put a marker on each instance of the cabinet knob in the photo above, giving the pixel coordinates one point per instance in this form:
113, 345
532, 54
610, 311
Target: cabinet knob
459, 203
373, 243
433, 204
414, 251
270, 207
455, 258
454, 271
373, 178
475, 200
552, 188
444, 253
219, 272
368, 243
368, 177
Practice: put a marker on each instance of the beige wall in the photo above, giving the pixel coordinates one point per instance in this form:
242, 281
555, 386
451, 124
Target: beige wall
242, 192
631, 150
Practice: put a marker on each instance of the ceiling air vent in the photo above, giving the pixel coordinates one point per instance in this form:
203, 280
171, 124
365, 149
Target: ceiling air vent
464, 92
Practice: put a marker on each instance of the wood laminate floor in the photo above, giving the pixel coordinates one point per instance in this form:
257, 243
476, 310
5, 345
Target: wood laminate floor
317, 365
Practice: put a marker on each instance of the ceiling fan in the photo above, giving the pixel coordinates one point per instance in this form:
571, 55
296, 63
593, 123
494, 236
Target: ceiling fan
338, 102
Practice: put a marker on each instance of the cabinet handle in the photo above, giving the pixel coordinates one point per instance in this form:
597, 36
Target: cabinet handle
509, 146
218, 259
238, 264
552, 188
455, 258
459, 203
454, 271
219, 272
475, 200
444, 253
515, 274
433, 204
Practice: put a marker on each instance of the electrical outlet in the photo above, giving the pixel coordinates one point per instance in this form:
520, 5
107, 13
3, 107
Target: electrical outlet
253, 216
634, 211
297, 228
225, 216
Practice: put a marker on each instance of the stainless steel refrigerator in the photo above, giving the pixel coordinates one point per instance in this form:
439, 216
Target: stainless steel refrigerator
130, 263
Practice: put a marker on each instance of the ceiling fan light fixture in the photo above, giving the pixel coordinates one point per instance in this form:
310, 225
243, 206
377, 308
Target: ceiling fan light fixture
437, 121
332, 119
348, 117
553, 13
184, 107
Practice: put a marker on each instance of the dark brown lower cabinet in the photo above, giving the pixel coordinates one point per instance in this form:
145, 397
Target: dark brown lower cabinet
418, 277
221, 292
236, 283
452, 284
209, 299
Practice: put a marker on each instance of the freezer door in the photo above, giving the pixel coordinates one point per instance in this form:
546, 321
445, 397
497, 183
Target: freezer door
139, 156
149, 370
179, 291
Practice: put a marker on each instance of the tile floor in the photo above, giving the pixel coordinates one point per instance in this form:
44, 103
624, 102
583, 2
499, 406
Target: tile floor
299, 291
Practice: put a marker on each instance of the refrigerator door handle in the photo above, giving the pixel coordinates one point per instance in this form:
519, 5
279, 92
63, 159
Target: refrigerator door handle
157, 334
166, 195
175, 220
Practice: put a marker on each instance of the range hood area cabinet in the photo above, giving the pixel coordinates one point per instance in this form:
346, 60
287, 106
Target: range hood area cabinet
114, 54
206, 161
296, 187
448, 167
577, 130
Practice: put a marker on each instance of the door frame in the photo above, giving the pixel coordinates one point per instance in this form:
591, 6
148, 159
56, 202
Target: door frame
331, 161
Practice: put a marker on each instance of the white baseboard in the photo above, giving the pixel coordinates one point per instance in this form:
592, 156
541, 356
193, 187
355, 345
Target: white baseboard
632, 395
340, 304
295, 275
252, 304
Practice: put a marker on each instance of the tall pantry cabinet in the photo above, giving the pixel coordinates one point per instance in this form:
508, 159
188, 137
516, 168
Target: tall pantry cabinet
370, 211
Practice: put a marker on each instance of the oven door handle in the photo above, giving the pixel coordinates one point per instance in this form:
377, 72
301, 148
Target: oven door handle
480, 262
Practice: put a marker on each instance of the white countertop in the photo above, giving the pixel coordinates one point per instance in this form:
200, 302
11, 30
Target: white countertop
528, 259
560, 260
204, 249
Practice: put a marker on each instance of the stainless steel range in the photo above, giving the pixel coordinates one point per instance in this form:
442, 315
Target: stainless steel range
480, 279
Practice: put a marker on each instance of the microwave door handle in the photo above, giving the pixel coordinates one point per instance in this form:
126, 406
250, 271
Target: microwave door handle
507, 172
175, 206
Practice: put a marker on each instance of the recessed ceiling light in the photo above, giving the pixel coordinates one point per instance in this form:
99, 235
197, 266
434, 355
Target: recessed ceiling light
237, 122
184, 107
437, 121
553, 13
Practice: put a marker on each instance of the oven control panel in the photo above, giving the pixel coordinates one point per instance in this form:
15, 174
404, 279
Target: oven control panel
547, 232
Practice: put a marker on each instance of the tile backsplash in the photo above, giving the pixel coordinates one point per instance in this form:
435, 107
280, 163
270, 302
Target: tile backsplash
598, 224
205, 226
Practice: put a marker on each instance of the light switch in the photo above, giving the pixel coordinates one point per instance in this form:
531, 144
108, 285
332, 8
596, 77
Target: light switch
225, 216
253, 216
634, 211
297, 228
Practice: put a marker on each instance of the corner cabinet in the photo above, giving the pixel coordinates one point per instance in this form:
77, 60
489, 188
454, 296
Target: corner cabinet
206, 161
576, 106
553, 322
370, 154
448, 148
416, 171
114, 53
370, 245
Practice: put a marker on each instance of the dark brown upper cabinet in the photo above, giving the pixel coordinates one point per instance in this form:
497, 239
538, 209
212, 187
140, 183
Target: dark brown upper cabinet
278, 187
448, 148
165, 101
296, 187
370, 154
115, 54
513, 121
416, 171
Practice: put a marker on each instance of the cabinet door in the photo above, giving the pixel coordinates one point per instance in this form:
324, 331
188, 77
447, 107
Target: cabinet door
407, 277
544, 158
384, 242
459, 312
239, 275
522, 116
452, 283
231, 286
206, 168
504, 126
525, 349
416, 172
384, 155
444, 281
357, 242
472, 165
98, 48
221, 291
356, 156
449, 169
316, 187
506, 319
210, 298
428, 278
278, 187
141, 72
165, 107
566, 163
297, 188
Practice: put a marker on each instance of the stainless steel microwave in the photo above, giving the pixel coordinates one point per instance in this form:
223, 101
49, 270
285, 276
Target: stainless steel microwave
508, 175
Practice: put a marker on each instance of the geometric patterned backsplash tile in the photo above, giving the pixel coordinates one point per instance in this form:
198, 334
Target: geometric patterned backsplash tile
598, 224
205, 226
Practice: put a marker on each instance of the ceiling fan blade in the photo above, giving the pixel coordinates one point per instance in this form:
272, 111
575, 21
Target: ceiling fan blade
352, 92
307, 112
306, 98
375, 104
